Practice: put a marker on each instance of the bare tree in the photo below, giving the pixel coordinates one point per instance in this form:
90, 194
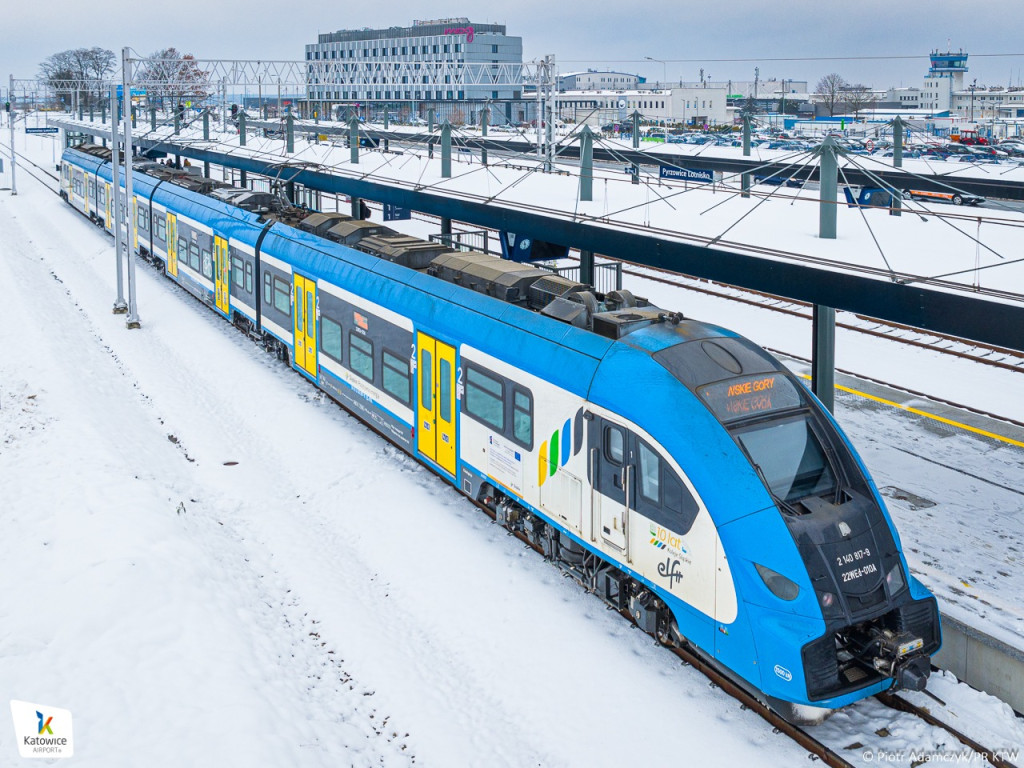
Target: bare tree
858, 98
830, 91
81, 69
172, 76
57, 70
98, 65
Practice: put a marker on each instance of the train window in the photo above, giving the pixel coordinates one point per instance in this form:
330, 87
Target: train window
396, 377
793, 462
427, 381
445, 377
522, 417
677, 499
485, 398
248, 277
360, 355
282, 297
142, 217
268, 288
238, 272
207, 263
330, 338
650, 474
183, 250
614, 444
161, 229
300, 323
660, 494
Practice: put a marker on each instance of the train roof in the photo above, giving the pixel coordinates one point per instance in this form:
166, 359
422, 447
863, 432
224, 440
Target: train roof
583, 326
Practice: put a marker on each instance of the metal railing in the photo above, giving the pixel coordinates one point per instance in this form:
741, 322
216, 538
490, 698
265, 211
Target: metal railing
475, 240
607, 275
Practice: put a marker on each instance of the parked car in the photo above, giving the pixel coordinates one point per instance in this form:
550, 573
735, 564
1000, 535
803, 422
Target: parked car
956, 198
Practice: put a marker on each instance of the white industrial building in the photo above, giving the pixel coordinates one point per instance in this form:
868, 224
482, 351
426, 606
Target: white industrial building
692, 106
594, 79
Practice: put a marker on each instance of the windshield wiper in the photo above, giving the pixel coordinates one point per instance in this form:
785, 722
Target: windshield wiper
778, 499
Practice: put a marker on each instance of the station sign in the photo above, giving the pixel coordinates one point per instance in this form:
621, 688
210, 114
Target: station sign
702, 175
42, 130
396, 213
136, 92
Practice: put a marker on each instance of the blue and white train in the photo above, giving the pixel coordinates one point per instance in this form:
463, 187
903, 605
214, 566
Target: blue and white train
674, 467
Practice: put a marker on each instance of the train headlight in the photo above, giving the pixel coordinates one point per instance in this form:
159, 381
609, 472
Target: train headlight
831, 606
780, 586
894, 579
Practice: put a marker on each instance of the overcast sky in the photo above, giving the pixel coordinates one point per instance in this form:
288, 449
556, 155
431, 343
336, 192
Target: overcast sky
581, 33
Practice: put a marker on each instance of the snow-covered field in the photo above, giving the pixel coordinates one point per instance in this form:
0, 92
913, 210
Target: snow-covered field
210, 564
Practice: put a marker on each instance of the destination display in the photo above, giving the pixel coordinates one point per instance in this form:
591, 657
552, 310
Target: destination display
750, 396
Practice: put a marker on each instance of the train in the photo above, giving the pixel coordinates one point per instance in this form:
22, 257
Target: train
674, 468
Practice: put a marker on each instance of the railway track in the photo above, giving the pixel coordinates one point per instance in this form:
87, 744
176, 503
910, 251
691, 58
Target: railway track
985, 354
815, 747
38, 173
739, 247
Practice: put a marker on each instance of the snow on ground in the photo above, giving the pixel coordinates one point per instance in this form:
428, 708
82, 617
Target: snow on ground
325, 600
890, 737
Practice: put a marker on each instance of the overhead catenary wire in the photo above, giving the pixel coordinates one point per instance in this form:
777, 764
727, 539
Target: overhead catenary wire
258, 151
867, 224
941, 218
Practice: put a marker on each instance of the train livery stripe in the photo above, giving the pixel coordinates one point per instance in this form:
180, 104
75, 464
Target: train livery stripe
919, 412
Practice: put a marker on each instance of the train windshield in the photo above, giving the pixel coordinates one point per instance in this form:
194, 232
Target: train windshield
790, 457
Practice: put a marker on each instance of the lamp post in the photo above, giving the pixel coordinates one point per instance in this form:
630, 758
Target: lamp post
974, 86
664, 68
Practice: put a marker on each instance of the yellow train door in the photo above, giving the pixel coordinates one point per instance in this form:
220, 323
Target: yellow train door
435, 406
222, 274
426, 408
172, 243
135, 224
304, 315
106, 201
